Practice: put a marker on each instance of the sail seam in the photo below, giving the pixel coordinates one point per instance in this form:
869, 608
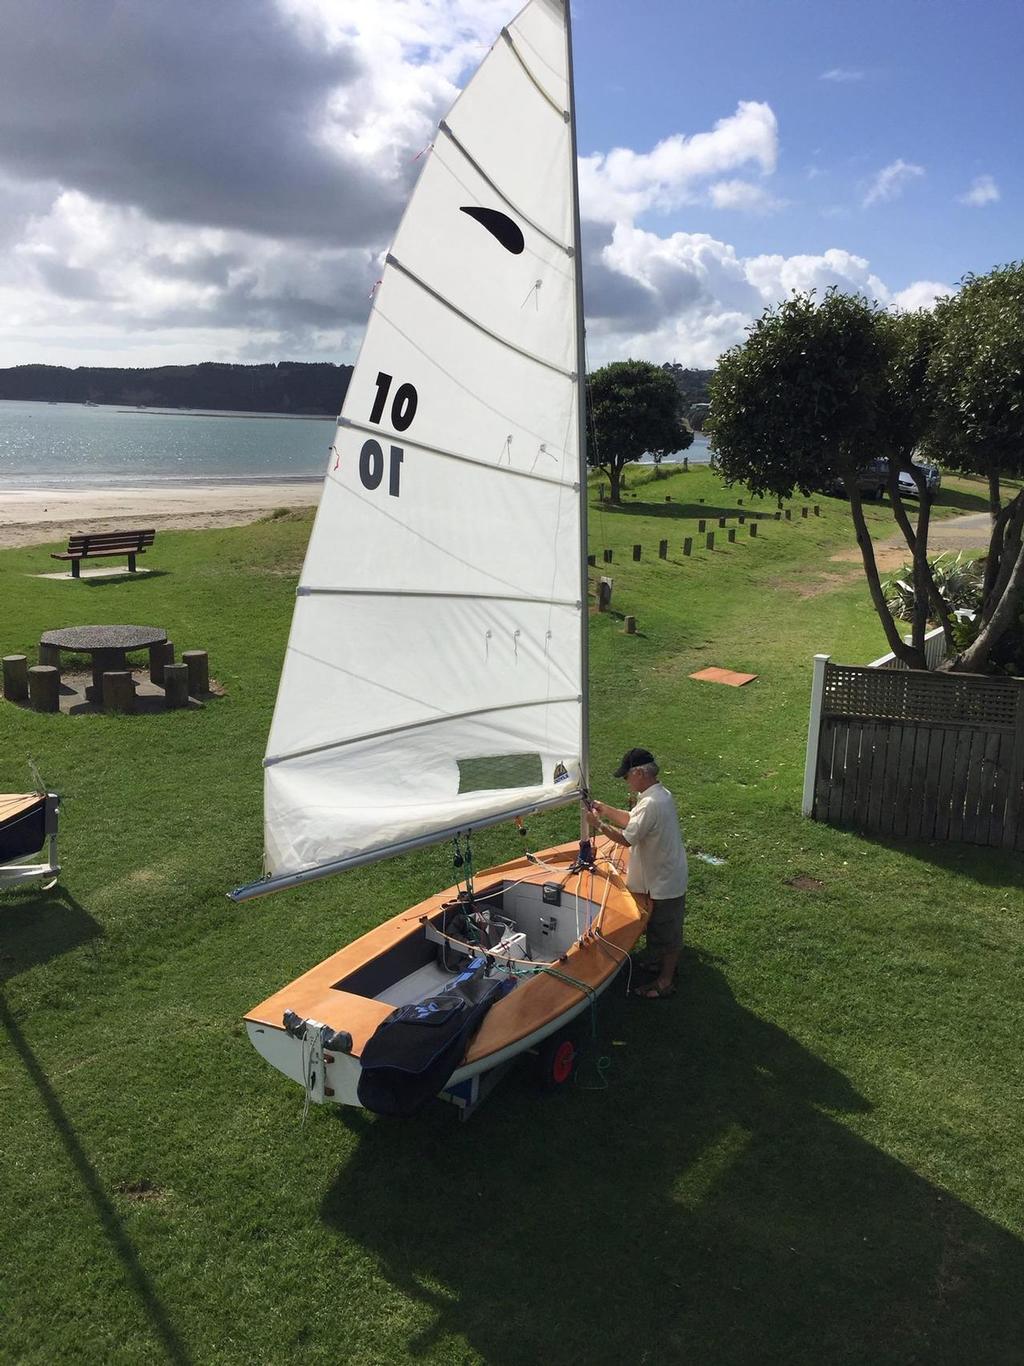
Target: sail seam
563, 114
273, 759
313, 590
502, 341
442, 127
465, 459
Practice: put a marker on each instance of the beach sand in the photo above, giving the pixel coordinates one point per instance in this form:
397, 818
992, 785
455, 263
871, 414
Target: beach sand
36, 517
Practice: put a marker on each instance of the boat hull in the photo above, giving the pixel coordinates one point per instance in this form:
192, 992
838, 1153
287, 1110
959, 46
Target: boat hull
593, 902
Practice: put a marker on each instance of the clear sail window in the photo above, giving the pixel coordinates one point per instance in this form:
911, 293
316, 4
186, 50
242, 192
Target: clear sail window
491, 771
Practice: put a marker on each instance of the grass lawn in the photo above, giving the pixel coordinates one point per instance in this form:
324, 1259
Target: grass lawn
812, 1154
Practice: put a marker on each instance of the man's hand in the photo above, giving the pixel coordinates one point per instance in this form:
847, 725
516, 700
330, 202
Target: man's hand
593, 818
643, 900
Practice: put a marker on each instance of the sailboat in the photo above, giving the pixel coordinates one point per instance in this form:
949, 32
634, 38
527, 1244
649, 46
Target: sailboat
435, 679
28, 822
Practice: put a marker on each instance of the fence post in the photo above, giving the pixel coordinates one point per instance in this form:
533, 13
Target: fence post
607, 556
732, 534
686, 464
711, 540
814, 733
663, 550
688, 545
637, 552
702, 525
753, 528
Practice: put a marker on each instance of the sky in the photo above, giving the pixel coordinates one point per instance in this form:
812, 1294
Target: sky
219, 181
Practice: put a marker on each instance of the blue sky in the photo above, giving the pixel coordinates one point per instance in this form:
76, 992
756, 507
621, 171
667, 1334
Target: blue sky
936, 85
219, 181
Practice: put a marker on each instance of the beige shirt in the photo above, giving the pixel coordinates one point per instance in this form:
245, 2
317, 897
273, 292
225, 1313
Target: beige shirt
657, 859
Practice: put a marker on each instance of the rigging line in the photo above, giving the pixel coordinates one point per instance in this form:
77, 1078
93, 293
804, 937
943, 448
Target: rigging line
563, 114
443, 128
495, 336
454, 455
273, 759
309, 591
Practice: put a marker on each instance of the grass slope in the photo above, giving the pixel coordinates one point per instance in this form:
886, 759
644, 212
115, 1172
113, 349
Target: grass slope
811, 1154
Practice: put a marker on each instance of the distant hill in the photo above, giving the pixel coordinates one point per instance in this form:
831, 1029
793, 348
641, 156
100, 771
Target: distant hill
693, 389
287, 387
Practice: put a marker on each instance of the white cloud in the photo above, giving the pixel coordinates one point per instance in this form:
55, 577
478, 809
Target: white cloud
742, 195
688, 296
890, 181
622, 184
921, 294
984, 190
841, 75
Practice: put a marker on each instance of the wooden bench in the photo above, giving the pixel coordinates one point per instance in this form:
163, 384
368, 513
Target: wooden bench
98, 544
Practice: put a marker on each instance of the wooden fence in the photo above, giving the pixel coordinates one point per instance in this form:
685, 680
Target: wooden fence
914, 754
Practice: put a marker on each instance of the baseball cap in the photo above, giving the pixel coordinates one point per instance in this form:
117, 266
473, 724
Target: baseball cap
633, 758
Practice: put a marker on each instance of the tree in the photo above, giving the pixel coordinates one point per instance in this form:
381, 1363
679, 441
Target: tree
977, 373
804, 402
633, 407
820, 388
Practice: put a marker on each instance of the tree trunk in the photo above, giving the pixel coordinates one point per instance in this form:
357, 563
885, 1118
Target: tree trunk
976, 656
614, 473
914, 659
995, 502
919, 538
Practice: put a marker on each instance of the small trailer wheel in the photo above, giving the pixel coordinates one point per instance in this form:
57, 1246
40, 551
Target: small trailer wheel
556, 1061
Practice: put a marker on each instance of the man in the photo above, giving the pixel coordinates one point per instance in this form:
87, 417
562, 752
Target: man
657, 874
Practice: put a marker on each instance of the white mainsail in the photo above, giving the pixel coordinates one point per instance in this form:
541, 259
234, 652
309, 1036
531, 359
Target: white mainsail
434, 679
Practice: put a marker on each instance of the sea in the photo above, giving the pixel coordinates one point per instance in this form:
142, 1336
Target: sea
75, 445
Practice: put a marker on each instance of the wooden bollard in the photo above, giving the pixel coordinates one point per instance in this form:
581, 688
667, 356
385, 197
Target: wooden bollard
688, 546
176, 685
631, 626
721, 521
604, 594
700, 500
118, 691
198, 664
15, 677
663, 550
803, 512
160, 655
739, 502
753, 528
778, 516
741, 519
789, 514
637, 551
607, 557
44, 687
686, 464
711, 540
817, 510
50, 655
668, 497
702, 525
732, 534
591, 559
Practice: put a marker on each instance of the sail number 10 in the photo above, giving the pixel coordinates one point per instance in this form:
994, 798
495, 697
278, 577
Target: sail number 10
371, 457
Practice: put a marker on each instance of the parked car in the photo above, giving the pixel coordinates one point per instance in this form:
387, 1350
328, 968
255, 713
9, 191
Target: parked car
908, 484
872, 480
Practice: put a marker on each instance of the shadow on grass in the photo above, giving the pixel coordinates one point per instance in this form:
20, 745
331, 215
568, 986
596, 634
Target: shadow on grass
36, 926
676, 510
127, 577
709, 1205
982, 863
108, 1217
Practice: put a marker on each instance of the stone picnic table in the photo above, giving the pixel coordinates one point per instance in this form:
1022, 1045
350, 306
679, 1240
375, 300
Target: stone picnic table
108, 646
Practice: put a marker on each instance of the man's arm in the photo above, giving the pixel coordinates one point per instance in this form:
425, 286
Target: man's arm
613, 814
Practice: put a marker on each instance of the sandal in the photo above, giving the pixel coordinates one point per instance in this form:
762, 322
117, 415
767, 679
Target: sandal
654, 992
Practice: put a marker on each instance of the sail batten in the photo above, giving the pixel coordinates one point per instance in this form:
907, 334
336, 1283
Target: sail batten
443, 128
475, 322
563, 114
466, 459
434, 679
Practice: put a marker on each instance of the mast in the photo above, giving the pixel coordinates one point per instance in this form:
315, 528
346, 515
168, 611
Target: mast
581, 403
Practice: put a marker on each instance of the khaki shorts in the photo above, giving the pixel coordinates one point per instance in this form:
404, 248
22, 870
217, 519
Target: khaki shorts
665, 926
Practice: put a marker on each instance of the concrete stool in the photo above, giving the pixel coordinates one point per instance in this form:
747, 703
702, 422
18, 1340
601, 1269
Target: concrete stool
44, 687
